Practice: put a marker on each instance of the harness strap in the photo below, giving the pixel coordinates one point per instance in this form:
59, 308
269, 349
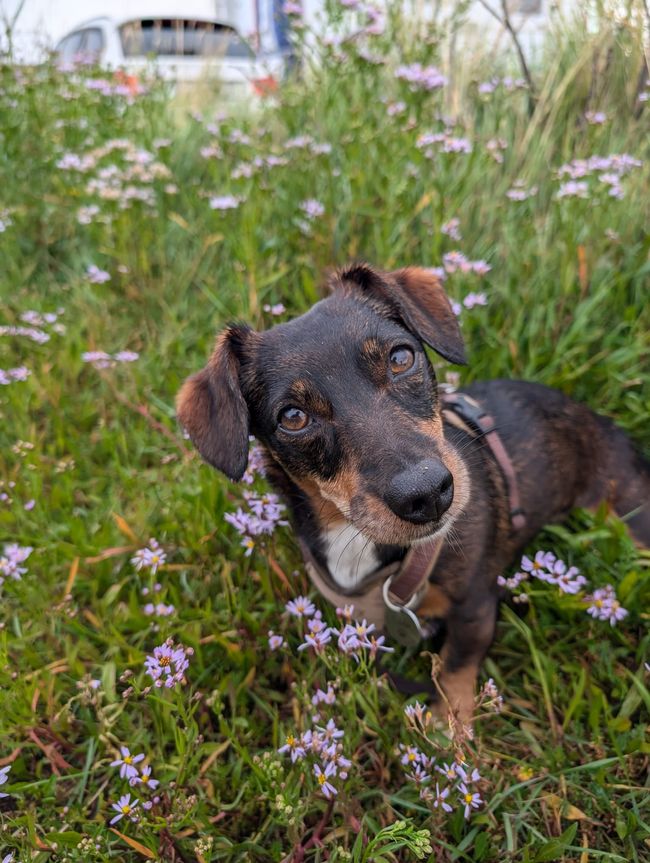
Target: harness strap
479, 422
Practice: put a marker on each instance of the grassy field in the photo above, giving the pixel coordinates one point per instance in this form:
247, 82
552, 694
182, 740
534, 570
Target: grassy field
127, 239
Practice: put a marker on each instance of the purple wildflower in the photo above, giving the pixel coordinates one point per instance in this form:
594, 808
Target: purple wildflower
440, 800
12, 556
603, 605
421, 77
145, 778
9, 376
410, 755
323, 777
312, 208
294, 746
573, 189
301, 606
321, 697
448, 770
126, 762
168, 664
4, 775
275, 641
97, 276
276, 310
124, 808
224, 202
473, 299
152, 557
452, 229
470, 799
317, 640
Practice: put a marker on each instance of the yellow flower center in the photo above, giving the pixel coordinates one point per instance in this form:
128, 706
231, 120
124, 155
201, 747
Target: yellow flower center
155, 558
411, 756
144, 779
126, 810
291, 740
599, 603
468, 798
322, 779
164, 660
128, 759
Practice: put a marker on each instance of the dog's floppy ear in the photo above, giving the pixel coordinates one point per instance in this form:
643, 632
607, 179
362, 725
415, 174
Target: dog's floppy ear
417, 295
211, 407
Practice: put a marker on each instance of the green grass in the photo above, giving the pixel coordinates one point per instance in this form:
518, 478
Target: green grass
564, 766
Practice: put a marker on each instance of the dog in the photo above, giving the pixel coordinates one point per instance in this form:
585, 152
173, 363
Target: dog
373, 468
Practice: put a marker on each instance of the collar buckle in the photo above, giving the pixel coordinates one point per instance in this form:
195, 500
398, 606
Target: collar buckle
401, 623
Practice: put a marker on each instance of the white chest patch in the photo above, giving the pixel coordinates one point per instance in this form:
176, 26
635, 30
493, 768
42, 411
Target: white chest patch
350, 555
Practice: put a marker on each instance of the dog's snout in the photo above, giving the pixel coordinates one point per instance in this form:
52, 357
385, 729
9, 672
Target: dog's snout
421, 493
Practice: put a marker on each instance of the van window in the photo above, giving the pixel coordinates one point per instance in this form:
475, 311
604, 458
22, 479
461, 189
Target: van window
178, 37
93, 43
68, 48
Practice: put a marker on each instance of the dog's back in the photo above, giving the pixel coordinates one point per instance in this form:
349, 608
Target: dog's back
566, 456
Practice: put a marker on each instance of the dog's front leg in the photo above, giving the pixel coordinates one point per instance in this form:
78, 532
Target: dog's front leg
470, 630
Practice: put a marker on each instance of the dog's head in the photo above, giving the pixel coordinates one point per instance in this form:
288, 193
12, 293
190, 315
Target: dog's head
345, 400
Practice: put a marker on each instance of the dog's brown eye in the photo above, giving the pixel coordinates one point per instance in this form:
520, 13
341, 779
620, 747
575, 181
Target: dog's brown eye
401, 360
293, 419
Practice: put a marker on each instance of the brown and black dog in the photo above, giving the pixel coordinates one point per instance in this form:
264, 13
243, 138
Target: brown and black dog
345, 402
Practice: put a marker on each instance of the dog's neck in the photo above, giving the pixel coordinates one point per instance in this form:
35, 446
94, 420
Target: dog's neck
350, 555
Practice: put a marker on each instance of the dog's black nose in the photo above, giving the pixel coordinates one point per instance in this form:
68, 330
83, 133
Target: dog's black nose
421, 493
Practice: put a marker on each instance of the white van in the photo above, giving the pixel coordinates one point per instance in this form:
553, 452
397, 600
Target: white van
179, 49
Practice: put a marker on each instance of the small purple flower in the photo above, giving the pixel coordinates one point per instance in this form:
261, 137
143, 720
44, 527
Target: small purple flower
448, 770
596, 118
418, 775
473, 299
312, 208
275, 641
12, 556
462, 770
331, 732
321, 697
294, 746
452, 229
126, 762
145, 778
573, 189
440, 800
276, 310
481, 268
410, 755
376, 644
4, 775
224, 202
323, 777
152, 557
301, 606
125, 808
470, 799
603, 605
168, 664
421, 77
570, 581
9, 376
316, 640
97, 276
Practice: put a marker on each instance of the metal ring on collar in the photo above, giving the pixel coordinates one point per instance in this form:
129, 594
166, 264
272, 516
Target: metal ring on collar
410, 605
